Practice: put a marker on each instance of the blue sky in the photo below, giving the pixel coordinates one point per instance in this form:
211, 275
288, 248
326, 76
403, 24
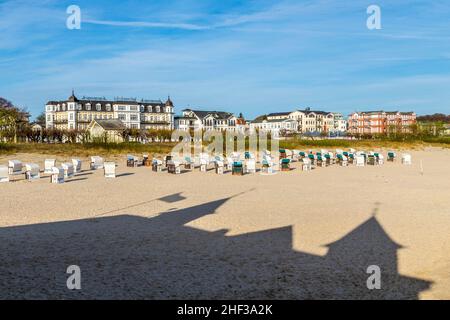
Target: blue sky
253, 57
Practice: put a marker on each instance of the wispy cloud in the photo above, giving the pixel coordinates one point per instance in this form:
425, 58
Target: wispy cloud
145, 24
254, 56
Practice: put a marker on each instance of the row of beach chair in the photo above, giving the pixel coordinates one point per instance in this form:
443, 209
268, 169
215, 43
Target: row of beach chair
247, 164
58, 174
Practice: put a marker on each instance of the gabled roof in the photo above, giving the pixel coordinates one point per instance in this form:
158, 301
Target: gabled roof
272, 120
110, 124
278, 114
201, 114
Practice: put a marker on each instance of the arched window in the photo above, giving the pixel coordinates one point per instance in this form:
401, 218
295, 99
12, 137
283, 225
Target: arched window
158, 109
150, 109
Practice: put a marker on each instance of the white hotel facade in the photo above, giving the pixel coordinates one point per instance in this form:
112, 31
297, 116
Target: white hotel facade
301, 121
77, 114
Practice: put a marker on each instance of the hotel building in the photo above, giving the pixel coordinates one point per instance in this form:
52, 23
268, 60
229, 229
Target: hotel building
380, 122
208, 120
302, 121
77, 114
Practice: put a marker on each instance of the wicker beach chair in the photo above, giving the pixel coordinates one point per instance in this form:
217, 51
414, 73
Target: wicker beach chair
174, 166
219, 164
360, 160
250, 166
391, 156
188, 163
157, 165
15, 167
306, 164
4, 175
76, 165
312, 158
321, 161
48, 165
132, 161
68, 170
97, 163
267, 165
146, 162
32, 171
57, 176
289, 154
110, 170
406, 159
238, 169
285, 164
351, 158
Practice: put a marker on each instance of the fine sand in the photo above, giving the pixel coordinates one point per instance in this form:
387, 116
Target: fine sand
293, 235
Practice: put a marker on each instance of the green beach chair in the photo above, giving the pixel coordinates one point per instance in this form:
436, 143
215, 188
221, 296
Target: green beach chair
238, 169
285, 165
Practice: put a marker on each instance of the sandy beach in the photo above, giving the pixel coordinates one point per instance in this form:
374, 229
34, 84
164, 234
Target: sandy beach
293, 235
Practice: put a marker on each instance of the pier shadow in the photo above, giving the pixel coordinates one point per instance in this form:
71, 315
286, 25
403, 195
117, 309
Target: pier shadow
131, 257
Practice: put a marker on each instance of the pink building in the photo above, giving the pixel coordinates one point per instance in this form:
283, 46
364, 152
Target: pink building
380, 122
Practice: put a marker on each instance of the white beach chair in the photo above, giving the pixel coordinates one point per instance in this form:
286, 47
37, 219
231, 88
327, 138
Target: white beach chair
229, 164
157, 165
110, 169
267, 165
219, 165
406, 159
250, 166
15, 167
289, 154
360, 161
4, 175
76, 165
295, 155
380, 159
57, 176
48, 165
236, 156
188, 163
306, 166
203, 164
97, 163
344, 161
68, 170
174, 166
32, 171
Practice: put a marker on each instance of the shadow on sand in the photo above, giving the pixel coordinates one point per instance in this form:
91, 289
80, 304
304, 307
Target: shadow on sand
130, 257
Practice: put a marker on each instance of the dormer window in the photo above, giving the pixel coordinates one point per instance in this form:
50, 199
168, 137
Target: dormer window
88, 106
157, 109
108, 107
98, 106
150, 109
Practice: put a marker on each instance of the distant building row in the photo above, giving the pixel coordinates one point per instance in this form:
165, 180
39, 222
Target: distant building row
79, 114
